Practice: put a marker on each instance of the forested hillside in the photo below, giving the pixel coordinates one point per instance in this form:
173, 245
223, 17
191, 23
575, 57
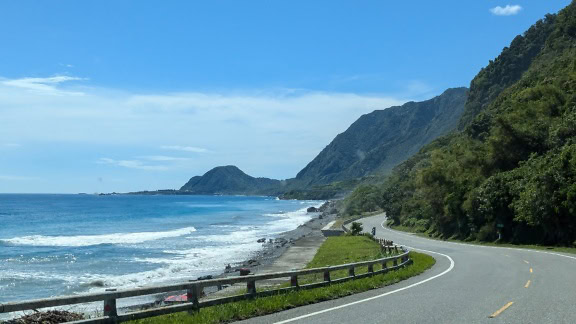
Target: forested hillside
512, 168
230, 180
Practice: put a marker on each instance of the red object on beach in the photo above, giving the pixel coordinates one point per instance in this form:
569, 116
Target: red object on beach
176, 299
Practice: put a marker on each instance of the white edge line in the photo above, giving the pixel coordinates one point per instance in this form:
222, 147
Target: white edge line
378, 296
477, 246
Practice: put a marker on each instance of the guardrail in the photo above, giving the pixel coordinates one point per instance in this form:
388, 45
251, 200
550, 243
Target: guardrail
194, 290
353, 219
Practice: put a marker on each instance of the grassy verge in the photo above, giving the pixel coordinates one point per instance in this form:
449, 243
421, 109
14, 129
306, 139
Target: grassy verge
335, 250
510, 245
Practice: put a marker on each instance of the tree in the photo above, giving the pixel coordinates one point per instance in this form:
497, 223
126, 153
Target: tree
356, 228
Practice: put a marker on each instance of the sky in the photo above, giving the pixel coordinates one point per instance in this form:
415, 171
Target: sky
102, 96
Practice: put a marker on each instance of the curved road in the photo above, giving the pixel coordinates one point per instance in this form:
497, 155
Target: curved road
468, 284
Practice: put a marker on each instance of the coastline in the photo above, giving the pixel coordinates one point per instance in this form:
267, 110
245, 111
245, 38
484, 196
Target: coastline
269, 258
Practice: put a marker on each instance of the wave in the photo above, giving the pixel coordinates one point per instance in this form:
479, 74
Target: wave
88, 240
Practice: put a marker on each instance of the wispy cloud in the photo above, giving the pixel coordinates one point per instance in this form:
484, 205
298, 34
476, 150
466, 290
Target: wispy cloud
265, 132
192, 149
9, 145
132, 164
16, 178
164, 158
508, 10
44, 85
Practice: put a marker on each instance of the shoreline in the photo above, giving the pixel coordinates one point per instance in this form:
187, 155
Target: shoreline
258, 260
266, 259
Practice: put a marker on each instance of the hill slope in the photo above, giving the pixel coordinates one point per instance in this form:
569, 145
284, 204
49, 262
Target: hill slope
511, 172
378, 141
229, 180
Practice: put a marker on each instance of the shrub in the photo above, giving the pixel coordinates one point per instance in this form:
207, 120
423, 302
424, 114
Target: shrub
356, 228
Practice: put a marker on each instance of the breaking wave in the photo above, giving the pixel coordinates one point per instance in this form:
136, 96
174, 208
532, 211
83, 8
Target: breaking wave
87, 240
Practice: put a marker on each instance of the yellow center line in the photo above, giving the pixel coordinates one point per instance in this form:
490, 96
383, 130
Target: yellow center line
526, 262
501, 310
531, 270
527, 284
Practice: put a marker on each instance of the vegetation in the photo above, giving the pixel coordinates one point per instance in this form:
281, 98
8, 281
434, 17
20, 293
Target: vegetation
336, 250
510, 173
378, 141
230, 180
356, 228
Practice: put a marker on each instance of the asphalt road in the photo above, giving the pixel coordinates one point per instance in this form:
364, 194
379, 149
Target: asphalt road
468, 284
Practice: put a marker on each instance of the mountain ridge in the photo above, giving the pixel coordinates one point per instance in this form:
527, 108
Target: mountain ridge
379, 140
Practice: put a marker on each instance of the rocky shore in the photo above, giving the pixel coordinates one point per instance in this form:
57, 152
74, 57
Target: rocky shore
269, 258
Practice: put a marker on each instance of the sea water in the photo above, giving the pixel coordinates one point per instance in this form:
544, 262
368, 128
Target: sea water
54, 245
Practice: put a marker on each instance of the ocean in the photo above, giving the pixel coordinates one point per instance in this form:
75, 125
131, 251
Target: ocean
53, 245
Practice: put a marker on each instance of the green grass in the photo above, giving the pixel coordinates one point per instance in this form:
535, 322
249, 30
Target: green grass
335, 250
510, 245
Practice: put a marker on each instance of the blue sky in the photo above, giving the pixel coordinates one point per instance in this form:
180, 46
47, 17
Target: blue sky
100, 96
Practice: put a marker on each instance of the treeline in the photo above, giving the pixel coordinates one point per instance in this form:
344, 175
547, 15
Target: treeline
510, 171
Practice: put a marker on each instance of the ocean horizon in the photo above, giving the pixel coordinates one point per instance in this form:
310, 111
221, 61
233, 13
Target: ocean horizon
63, 244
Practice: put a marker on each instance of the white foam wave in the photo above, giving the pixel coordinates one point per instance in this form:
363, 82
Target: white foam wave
87, 240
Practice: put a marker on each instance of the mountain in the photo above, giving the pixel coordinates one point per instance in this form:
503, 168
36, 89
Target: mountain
509, 174
378, 141
375, 143
230, 180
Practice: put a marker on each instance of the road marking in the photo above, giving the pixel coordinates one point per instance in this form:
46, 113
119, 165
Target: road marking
527, 284
411, 235
531, 270
526, 262
378, 296
501, 310
426, 280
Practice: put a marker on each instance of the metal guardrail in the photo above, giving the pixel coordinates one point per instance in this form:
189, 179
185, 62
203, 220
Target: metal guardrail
194, 290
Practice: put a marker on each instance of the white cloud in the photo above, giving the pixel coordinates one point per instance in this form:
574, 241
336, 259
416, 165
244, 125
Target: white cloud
184, 148
43, 85
509, 10
164, 158
132, 164
270, 133
16, 178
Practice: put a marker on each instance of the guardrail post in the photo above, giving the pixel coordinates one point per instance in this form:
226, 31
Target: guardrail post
384, 266
110, 306
395, 262
327, 276
351, 272
294, 281
251, 287
396, 248
193, 295
371, 268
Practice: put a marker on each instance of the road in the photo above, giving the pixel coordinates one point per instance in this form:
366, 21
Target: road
468, 284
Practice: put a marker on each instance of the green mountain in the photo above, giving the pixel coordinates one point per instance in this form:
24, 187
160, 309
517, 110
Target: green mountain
510, 173
231, 181
380, 140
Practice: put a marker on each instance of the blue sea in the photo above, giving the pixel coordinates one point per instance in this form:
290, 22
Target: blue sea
68, 244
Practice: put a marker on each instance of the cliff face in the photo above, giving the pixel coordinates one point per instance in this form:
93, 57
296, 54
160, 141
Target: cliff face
229, 180
380, 140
